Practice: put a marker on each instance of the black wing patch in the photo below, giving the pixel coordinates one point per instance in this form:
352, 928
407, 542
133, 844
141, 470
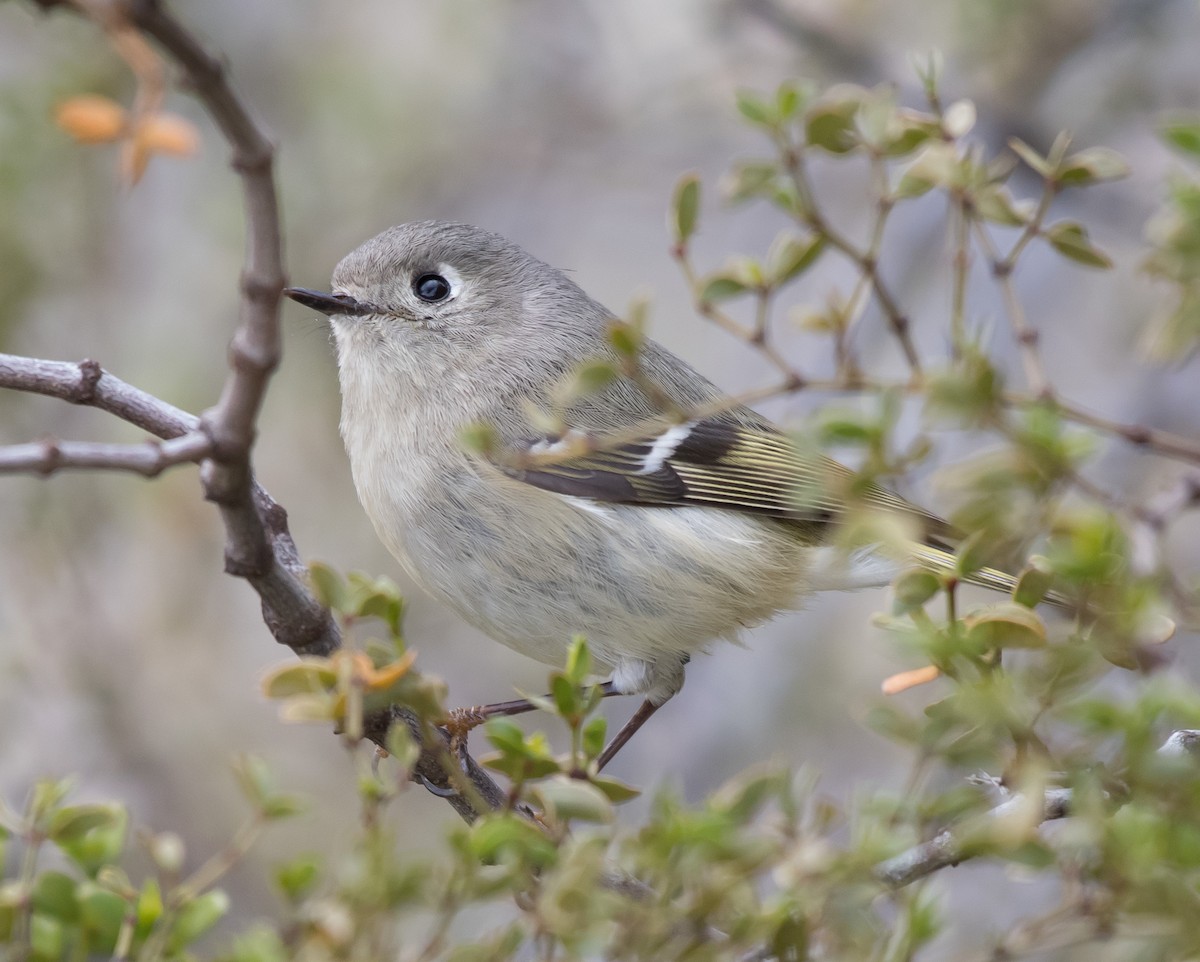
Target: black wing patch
710, 462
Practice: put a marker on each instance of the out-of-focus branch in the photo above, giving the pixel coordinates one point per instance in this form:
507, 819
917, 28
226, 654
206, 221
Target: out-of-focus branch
947, 849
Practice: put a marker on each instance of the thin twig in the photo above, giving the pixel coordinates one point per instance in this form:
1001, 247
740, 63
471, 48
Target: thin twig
813, 217
149, 458
947, 849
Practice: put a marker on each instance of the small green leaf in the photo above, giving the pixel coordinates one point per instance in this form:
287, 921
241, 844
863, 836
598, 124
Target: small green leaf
47, 937
995, 203
593, 736
913, 589
1183, 133
791, 255
402, 746
750, 178
480, 439
55, 894
282, 806
565, 798
756, 108
1031, 157
297, 877
196, 917
73, 822
308, 676
626, 339
1092, 166
101, 915
831, 127
937, 165
720, 287
791, 98
615, 790
579, 661
1005, 625
589, 378
149, 903
566, 697
1070, 239
328, 586
685, 208
1033, 584
254, 778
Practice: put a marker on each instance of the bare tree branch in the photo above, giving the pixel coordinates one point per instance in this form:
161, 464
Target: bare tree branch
947, 849
149, 459
258, 545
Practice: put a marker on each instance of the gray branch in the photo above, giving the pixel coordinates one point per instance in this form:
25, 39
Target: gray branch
149, 458
947, 849
258, 546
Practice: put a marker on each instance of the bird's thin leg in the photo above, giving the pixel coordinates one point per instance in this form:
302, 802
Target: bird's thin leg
628, 730
460, 721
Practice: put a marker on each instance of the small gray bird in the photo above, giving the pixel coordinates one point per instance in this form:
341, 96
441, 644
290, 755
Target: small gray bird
650, 534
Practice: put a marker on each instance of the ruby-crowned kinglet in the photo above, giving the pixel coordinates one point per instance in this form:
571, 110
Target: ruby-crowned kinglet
675, 531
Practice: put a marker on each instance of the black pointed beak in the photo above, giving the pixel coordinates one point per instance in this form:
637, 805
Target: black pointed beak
328, 304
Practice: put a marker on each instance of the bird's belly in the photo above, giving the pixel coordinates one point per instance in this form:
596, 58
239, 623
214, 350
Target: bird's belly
533, 569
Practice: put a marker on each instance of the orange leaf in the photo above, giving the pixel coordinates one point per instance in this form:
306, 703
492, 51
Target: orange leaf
904, 680
91, 119
381, 678
168, 134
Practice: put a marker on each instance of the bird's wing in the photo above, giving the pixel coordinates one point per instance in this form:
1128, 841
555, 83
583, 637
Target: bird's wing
715, 462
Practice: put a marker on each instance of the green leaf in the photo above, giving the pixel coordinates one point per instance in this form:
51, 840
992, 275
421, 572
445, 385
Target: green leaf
307, 677
1005, 625
1070, 239
791, 255
994, 203
792, 98
615, 790
566, 799
73, 822
831, 126
566, 697
593, 736
756, 109
913, 589
1092, 166
282, 806
750, 178
402, 746
685, 208
196, 917
937, 165
101, 914
254, 778
579, 661
149, 904
297, 877
1182, 133
1033, 583
1031, 157
626, 339
47, 937
55, 894
720, 287
588, 379
328, 586
46, 796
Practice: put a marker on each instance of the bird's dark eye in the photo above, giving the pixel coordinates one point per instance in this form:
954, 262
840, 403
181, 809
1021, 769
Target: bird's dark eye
431, 287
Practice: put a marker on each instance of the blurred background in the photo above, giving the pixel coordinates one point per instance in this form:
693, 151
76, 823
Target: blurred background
127, 657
